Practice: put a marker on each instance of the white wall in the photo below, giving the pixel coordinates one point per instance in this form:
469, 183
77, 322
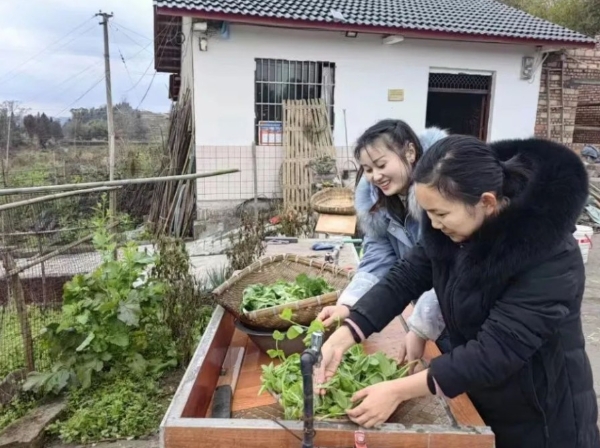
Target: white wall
365, 70
187, 55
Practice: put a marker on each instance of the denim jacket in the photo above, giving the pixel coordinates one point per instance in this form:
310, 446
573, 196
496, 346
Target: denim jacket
386, 241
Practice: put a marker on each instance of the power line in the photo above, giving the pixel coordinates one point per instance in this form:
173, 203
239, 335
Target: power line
147, 90
53, 88
82, 95
121, 31
163, 39
46, 48
123, 60
131, 31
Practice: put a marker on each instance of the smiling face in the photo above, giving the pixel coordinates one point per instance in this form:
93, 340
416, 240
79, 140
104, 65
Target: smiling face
387, 169
457, 220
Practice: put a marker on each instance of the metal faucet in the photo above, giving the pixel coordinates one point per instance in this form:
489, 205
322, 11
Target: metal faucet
310, 358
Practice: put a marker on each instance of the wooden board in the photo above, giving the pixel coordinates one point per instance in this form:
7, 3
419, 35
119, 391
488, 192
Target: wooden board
185, 425
336, 224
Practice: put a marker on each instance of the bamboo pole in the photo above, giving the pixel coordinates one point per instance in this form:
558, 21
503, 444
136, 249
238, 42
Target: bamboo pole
114, 183
54, 196
54, 253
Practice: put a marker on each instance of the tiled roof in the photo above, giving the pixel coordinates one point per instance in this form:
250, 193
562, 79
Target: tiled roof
475, 17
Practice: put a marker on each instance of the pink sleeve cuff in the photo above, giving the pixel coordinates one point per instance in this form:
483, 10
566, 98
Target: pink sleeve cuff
438, 390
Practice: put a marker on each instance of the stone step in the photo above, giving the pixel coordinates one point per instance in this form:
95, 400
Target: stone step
30, 430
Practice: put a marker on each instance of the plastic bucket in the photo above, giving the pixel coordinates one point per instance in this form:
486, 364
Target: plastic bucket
583, 235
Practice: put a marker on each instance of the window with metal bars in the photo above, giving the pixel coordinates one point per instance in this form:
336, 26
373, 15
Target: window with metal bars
277, 80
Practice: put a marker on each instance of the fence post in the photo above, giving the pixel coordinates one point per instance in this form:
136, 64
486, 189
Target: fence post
18, 296
255, 180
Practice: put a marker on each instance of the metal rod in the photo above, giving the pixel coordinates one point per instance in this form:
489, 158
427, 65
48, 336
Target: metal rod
114, 183
54, 253
53, 196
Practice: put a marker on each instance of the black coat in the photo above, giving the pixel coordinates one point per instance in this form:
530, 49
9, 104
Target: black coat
511, 299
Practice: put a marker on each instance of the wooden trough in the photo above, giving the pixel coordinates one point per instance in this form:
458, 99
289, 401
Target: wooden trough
225, 354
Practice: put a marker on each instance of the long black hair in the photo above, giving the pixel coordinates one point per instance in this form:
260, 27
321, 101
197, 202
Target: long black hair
462, 168
395, 135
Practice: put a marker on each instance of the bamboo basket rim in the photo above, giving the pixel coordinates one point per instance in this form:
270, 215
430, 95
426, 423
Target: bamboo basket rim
297, 305
324, 201
264, 261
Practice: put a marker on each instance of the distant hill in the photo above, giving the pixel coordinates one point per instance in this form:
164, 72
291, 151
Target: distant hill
130, 124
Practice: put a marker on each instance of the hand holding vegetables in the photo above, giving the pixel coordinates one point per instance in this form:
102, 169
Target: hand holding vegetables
346, 370
331, 355
333, 314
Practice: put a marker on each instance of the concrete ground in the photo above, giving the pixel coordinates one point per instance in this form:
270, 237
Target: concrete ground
591, 327
590, 312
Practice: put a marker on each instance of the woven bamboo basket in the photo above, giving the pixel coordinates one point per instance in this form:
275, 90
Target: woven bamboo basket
269, 270
336, 201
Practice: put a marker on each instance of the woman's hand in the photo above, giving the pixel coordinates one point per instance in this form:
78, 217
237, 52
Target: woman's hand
331, 356
381, 400
379, 403
333, 314
412, 350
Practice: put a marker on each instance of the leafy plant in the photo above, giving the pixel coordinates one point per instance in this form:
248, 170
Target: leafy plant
247, 243
121, 407
356, 371
17, 408
259, 296
110, 321
187, 304
323, 164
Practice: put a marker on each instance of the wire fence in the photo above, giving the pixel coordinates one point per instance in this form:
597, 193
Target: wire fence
221, 201
42, 246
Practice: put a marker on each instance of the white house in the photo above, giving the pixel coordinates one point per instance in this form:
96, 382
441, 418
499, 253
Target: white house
472, 67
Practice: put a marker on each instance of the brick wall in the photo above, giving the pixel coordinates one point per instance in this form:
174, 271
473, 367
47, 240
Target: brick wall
566, 122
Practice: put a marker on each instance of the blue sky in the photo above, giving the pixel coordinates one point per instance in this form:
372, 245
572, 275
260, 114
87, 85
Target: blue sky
52, 54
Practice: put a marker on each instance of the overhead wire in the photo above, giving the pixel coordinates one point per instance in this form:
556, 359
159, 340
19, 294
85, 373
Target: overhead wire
45, 49
82, 95
53, 88
96, 64
162, 41
119, 30
131, 31
121, 56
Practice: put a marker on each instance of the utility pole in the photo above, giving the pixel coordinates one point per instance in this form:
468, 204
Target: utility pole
109, 117
9, 115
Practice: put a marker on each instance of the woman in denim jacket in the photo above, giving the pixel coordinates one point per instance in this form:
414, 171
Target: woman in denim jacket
389, 215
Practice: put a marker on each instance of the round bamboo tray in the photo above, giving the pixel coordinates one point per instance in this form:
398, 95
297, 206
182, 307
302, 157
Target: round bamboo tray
269, 270
336, 201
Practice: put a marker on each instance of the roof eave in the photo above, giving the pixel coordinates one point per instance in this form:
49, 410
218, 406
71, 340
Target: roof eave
339, 26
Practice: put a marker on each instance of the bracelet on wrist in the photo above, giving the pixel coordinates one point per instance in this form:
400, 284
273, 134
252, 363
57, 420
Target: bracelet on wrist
353, 332
431, 383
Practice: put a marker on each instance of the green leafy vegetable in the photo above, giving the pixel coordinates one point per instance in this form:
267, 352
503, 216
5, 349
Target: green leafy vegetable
259, 296
356, 371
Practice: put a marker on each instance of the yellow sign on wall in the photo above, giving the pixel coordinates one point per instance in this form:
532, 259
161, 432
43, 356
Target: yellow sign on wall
395, 94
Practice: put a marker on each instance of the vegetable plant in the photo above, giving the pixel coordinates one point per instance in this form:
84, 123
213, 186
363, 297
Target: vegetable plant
259, 296
356, 371
110, 321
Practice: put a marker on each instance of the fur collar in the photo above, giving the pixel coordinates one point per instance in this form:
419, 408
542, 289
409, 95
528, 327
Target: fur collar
531, 227
375, 224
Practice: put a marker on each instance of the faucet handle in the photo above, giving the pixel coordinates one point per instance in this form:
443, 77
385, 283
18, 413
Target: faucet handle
316, 341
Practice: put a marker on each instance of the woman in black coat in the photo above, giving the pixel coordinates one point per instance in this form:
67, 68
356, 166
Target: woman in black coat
498, 248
